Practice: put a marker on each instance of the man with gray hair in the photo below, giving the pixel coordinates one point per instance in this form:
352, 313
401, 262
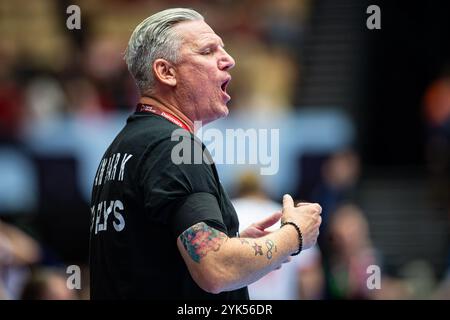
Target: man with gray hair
167, 230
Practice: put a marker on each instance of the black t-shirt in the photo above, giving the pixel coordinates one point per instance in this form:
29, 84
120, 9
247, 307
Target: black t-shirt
142, 201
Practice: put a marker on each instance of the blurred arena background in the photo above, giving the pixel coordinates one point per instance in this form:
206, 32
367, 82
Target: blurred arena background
364, 119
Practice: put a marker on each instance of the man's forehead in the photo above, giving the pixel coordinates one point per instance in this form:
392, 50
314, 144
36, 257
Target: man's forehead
197, 32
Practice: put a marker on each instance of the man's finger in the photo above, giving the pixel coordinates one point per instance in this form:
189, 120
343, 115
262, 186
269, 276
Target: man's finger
269, 221
288, 202
302, 204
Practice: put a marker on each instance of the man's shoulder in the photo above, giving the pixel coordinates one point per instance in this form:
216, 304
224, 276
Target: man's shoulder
157, 140
148, 132
150, 126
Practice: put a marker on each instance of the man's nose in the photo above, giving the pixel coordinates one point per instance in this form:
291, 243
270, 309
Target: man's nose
226, 61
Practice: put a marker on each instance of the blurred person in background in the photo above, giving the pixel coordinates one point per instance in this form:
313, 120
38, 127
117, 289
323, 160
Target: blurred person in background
18, 251
340, 174
436, 104
302, 278
11, 98
350, 254
166, 230
436, 111
339, 178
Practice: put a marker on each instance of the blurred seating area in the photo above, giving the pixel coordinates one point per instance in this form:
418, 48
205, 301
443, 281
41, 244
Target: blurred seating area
53, 71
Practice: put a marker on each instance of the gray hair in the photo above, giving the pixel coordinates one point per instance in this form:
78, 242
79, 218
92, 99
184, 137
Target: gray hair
152, 39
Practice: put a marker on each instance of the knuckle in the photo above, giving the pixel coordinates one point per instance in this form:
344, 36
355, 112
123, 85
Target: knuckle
317, 207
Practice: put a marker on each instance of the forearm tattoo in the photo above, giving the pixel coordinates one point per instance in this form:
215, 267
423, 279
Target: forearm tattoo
242, 240
258, 249
200, 239
270, 246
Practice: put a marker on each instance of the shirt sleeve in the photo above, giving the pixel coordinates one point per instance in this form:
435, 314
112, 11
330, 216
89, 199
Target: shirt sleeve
179, 195
198, 207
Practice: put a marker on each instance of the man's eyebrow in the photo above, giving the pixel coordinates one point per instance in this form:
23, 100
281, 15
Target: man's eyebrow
209, 40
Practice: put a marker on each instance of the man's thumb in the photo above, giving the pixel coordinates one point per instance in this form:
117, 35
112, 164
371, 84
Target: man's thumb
287, 201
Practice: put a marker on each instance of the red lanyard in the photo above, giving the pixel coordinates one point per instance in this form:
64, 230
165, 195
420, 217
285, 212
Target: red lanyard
141, 107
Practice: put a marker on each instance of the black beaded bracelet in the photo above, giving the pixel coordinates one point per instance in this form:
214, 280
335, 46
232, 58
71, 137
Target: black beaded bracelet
300, 237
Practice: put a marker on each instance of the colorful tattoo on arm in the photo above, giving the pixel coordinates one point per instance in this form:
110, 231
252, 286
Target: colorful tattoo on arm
200, 239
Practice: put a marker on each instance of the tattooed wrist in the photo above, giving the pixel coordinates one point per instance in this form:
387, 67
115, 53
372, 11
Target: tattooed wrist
258, 249
271, 246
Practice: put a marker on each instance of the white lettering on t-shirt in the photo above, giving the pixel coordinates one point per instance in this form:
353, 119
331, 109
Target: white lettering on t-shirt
100, 172
101, 212
106, 212
113, 174
98, 226
126, 157
92, 216
107, 170
121, 224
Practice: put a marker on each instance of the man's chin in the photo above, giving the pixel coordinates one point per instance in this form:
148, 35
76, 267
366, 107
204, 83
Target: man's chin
221, 113
225, 111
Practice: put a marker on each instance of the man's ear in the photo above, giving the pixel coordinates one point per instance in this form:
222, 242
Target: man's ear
164, 72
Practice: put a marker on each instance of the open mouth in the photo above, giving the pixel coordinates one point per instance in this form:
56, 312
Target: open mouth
225, 84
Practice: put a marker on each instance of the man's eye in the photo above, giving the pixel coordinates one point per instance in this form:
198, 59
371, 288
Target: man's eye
207, 51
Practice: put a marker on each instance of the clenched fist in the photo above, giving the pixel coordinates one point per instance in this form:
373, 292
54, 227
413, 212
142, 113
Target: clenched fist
306, 216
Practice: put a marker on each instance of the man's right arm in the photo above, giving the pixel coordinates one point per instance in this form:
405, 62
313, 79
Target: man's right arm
218, 263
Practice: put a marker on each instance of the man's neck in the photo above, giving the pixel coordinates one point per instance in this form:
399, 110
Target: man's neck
167, 107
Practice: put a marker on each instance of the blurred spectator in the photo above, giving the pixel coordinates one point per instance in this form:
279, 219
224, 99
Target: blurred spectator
350, 254
437, 103
17, 252
287, 283
105, 68
83, 98
11, 97
44, 98
340, 175
311, 278
437, 117
48, 284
